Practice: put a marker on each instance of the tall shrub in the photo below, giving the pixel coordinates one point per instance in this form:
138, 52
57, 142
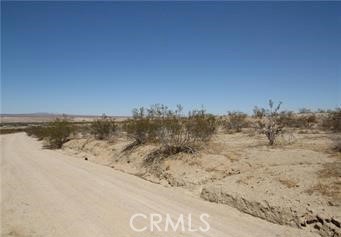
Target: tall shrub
270, 124
103, 128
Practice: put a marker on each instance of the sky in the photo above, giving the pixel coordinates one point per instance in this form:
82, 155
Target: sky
109, 57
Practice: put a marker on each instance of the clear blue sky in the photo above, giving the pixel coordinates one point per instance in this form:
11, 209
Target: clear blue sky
108, 57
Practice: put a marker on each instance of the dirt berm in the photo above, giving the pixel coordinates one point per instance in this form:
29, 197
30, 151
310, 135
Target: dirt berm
296, 185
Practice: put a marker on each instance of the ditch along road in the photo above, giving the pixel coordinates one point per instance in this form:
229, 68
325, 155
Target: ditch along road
47, 193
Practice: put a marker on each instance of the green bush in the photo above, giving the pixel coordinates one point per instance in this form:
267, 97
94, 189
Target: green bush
103, 128
201, 125
141, 130
183, 134
55, 133
11, 130
83, 129
170, 129
189, 131
58, 132
38, 131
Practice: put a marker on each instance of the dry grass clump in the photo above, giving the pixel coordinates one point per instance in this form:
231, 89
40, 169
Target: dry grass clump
289, 183
331, 188
337, 146
331, 170
328, 190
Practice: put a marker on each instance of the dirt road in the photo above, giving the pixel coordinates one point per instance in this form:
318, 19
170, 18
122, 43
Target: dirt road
47, 193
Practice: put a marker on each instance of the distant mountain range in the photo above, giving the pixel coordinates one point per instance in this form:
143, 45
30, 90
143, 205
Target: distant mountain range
43, 114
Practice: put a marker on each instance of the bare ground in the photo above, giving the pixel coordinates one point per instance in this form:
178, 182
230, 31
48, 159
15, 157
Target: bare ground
295, 183
48, 193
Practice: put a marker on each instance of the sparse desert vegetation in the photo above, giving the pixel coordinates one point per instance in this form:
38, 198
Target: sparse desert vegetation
235, 121
103, 128
170, 129
11, 130
55, 133
333, 120
134, 118
262, 164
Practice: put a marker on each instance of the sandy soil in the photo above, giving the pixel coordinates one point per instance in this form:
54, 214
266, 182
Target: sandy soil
295, 183
47, 193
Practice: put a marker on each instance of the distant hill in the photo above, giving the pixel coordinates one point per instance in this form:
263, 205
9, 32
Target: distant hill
46, 117
31, 115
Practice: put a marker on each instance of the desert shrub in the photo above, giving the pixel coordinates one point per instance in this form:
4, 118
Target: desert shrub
321, 111
179, 134
309, 120
290, 119
287, 118
197, 128
148, 125
258, 113
55, 133
39, 132
140, 128
102, 128
170, 129
304, 111
201, 125
270, 125
11, 130
58, 132
83, 130
333, 120
236, 121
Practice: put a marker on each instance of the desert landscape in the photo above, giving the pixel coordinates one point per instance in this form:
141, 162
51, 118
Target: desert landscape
170, 119
229, 160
